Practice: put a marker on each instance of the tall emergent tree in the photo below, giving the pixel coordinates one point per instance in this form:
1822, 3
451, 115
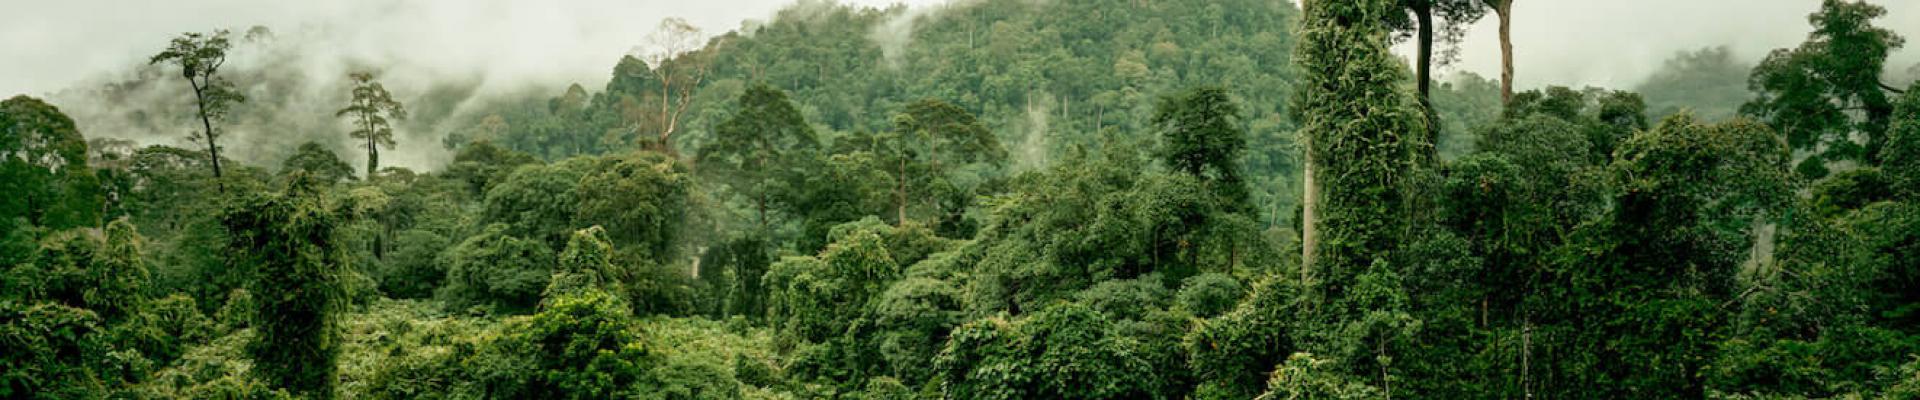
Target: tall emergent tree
1822, 93
916, 148
1504, 10
1201, 135
289, 239
1358, 127
372, 112
1435, 22
756, 150
200, 56
678, 65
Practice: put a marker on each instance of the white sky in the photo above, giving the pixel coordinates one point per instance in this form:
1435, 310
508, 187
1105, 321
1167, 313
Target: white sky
49, 45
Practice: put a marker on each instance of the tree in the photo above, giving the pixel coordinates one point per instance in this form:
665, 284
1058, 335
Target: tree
494, 268
538, 201
317, 161
1821, 94
914, 152
1435, 22
1067, 351
1201, 135
1902, 161
758, 149
43, 168
679, 66
289, 238
1504, 10
1357, 123
645, 201
1304, 376
1647, 281
200, 56
372, 112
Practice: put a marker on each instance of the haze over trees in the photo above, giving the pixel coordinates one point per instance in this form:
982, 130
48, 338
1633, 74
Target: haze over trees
1001, 199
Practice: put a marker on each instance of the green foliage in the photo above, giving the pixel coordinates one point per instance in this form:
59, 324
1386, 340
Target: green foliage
1229, 353
538, 202
644, 200
1065, 351
51, 351
1850, 190
590, 347
1902, 160
587, 258
494, 268
842, 188
414, 269
1811, 93
482, 165
1361, 129
289, 238
317, 161
1209, 295
43, 168
1304, 376
995, 199
756, 151
1686, 197
1200, 135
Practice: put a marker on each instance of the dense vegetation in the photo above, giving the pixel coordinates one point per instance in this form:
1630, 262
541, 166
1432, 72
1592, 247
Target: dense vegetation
1001, 199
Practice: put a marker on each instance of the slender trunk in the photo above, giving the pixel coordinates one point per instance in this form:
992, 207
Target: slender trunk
933, 155
1308, 199
1424, 15
206, 121
373, 149
666, 116
760, 201
1505, 11
1386, 381
1424, 12
901, 190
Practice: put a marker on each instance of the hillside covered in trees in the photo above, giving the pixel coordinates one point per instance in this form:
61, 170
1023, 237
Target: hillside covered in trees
994, 199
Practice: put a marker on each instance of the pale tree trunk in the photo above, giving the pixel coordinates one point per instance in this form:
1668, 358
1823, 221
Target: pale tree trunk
901, 189
1504, 9
1309, 200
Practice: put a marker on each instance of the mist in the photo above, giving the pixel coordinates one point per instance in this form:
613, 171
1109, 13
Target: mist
1615, 44
461, 52
444, 57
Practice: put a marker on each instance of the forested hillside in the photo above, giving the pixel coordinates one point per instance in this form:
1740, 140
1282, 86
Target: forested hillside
993, 199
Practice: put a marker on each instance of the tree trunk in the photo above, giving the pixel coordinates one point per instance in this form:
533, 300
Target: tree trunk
213, 149
373, 151
1308, 199
901, 190
1424, 13
1505, 11
1430, 150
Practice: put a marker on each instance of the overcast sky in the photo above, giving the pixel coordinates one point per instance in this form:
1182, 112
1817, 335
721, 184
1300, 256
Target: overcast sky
49, 45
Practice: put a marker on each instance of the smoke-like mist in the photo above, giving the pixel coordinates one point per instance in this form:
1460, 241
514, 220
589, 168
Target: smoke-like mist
426, 52
442, 57
1617, 43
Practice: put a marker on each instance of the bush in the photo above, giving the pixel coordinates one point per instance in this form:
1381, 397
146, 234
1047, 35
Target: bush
498, 270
